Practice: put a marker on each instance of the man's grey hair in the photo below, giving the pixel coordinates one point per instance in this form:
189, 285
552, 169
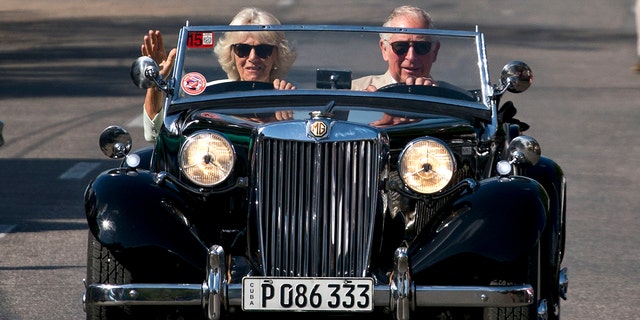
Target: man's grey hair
413, 12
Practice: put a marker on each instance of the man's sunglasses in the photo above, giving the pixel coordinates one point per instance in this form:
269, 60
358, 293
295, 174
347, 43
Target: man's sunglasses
419, 47
244, 50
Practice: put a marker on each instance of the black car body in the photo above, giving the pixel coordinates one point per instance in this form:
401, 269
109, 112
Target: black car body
447, 211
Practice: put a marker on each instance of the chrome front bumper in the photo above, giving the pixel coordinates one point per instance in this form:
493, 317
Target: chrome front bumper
215, 295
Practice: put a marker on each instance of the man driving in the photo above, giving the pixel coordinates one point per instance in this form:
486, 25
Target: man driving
409, 56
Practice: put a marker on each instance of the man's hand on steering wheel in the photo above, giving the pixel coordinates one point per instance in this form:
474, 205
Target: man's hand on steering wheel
420, 81
410, 81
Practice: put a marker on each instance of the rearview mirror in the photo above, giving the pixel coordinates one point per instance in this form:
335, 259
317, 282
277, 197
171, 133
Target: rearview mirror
333, 79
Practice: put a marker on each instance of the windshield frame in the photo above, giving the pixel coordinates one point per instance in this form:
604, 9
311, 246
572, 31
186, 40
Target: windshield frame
486, 102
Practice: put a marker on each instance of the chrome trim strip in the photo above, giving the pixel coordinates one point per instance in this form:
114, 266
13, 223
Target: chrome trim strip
326, 28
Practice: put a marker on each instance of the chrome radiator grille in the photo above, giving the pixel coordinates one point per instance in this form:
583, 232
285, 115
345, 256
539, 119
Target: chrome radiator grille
316, 204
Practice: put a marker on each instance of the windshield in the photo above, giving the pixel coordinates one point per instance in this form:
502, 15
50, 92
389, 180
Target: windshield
326, 58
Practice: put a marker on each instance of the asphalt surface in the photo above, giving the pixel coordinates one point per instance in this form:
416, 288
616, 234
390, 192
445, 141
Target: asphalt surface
64, 69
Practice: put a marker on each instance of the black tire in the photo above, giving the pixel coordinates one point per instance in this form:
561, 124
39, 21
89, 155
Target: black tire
519, 313
529, 312
103, 268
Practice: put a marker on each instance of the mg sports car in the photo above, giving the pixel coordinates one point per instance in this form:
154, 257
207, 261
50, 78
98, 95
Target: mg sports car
405, 202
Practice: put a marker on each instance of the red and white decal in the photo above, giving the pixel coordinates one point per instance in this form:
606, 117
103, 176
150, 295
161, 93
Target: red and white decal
193, 83
198, 39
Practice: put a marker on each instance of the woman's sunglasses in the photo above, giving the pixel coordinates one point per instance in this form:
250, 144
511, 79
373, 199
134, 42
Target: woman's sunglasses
419, 47
242, 50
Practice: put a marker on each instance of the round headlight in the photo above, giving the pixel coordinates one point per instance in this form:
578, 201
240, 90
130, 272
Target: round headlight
207, 158
426, 165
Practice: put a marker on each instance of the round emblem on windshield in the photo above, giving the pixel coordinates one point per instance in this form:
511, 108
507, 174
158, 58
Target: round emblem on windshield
193, 83
318, 128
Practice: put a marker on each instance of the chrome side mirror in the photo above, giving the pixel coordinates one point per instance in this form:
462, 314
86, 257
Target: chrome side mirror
115, 142
145, 73
524, 151
516, 77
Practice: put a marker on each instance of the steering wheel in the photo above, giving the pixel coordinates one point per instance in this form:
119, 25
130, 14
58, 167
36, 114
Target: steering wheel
239, 86
435, 91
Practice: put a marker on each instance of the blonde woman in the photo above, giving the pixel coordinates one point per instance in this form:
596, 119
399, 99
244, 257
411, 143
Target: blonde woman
244, 56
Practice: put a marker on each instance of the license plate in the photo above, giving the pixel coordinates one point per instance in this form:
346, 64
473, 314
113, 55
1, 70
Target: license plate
307, 294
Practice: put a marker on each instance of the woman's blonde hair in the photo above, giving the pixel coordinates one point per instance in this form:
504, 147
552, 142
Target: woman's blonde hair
285, 55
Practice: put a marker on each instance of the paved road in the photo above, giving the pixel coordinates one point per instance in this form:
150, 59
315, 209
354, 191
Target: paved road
64, 70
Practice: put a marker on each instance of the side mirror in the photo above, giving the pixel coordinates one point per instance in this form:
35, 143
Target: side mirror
145, 73
516, 77
115, 142
524, 151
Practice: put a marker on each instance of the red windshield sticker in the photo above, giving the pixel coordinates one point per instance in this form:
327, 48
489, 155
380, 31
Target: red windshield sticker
199, 39
193, 83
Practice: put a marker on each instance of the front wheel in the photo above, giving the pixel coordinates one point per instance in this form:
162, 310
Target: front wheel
530, 276
517, 313
103, 268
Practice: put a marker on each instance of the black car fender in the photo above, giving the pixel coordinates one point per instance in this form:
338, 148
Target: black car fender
127, 210
501, 220
548, 173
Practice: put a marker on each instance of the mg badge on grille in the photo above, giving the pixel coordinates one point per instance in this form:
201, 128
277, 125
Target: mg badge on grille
318, 129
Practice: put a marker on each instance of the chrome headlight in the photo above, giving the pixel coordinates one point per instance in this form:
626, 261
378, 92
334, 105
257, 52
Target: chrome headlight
426, 165
207, 158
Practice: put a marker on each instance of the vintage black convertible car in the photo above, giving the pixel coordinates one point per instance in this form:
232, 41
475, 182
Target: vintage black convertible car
407, 202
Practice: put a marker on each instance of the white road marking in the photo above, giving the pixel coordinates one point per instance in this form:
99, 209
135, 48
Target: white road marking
79, 170
5, 229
